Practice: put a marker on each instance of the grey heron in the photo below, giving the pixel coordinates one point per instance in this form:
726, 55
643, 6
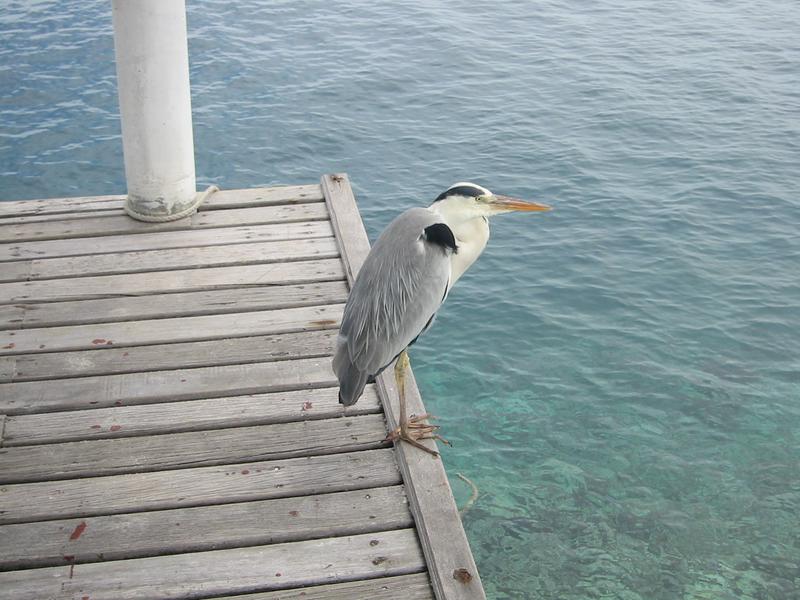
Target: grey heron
404, 280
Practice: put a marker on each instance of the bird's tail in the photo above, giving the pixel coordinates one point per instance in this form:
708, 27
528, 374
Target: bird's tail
351, 379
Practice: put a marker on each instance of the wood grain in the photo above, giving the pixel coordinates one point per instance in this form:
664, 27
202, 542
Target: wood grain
225, 571
162, 386
179, 304
174, 258
189, 415
97, 337
69, 208
185, 280
116, 224
408, 587
200, 486
154, 533
155, 240
92, 458
182, 355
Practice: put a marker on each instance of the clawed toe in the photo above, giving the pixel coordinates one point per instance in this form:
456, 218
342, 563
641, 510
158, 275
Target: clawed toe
414, 430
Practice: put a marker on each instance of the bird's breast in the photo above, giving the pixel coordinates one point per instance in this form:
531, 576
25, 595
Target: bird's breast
471, 238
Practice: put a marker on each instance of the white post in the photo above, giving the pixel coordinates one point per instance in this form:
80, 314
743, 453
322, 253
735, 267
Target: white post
155, 106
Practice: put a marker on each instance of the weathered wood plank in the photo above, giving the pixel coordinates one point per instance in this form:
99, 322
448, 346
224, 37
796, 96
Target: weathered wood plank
105, 286
180, 304
438, 523
200, 486
189, 415
91, 458
64, 216
182, 355
15, 271
15, 208
166, 239
164, 386
165, 331
116, 224
21, 211
70, 207
45, 544
200, 575
174, 258
409, 587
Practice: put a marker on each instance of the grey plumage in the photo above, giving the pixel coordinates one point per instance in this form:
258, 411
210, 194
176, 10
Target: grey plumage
403, 282
397, 292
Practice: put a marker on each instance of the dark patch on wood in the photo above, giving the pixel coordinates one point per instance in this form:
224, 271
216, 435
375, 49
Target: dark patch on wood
462, 576
115, 428
70, 558
324, 322
78, 531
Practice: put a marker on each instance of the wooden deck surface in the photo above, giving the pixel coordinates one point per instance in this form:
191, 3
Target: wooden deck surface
169, 423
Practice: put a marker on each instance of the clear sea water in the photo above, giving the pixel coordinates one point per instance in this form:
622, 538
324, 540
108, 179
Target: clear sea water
620, 377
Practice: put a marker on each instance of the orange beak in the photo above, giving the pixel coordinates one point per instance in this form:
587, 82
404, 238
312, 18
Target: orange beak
507, 203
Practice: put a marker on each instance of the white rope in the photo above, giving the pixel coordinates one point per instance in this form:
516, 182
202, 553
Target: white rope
472, 497
191, 209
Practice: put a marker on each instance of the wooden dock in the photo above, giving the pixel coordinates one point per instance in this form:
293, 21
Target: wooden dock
169, 424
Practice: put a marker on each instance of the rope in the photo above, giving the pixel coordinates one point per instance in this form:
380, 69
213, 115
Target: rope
472, 497
191, 209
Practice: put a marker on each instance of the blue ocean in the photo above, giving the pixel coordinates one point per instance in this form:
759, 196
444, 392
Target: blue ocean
619, 377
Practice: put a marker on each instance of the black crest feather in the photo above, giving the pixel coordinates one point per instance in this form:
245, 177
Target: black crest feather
441, 234
461, 190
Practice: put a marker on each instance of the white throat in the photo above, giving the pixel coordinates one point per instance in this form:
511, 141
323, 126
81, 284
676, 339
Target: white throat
471, 233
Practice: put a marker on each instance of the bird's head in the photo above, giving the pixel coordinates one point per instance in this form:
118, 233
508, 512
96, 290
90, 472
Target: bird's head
464, 201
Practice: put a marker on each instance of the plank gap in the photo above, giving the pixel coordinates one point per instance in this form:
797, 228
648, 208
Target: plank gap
153, 261
177, 280
99, 228
242, 299
197, 529
184, 415
199, 486
233, 571
166, 240
177, 451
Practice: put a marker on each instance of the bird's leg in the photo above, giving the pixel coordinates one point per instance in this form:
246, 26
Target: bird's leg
411, 429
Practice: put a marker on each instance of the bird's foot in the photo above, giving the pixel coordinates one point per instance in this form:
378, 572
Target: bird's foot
413, 430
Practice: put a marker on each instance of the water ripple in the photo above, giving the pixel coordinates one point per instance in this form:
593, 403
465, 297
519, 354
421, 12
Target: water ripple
620, 377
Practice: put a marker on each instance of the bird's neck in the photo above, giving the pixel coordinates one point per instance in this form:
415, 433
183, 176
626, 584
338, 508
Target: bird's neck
471, 239
471, 235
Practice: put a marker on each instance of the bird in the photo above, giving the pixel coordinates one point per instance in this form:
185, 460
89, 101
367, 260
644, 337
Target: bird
403, 282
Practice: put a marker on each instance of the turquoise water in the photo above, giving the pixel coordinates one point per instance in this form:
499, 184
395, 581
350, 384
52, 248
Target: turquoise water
620, 377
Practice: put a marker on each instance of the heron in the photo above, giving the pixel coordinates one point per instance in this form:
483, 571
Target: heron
403, 282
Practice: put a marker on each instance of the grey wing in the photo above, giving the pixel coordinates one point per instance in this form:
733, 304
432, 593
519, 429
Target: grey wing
397, 292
